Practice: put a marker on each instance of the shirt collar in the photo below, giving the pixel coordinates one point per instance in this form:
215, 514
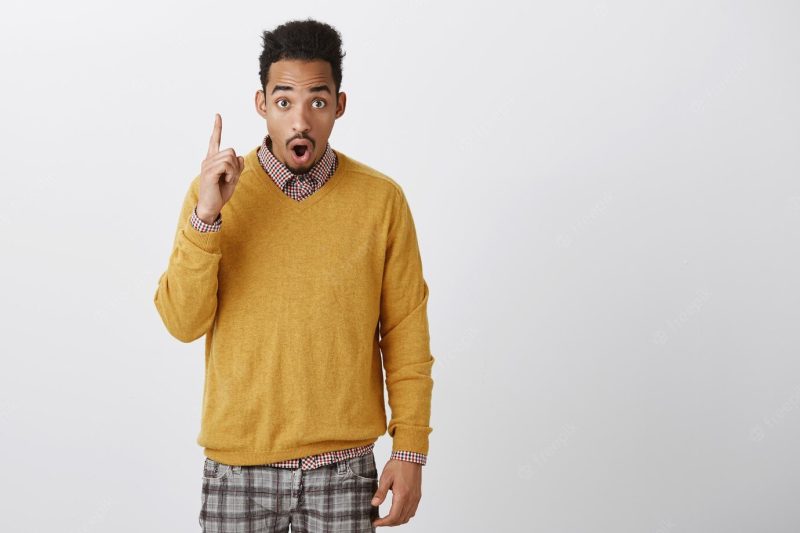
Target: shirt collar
280, 173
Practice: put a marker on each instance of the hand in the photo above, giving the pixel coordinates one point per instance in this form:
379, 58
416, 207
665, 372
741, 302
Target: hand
405, 480
219, 175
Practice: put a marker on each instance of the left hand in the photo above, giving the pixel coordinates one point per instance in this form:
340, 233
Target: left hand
405, 480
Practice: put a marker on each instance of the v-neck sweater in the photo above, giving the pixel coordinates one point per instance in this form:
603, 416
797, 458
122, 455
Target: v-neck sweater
304, 305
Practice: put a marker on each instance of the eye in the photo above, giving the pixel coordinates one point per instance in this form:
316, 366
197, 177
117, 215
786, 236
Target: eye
282, 100
320, 102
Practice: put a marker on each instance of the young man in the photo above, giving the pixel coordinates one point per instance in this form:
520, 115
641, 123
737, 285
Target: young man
301, 267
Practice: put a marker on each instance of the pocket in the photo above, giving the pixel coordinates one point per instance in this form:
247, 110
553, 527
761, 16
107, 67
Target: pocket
214, 471
363, 467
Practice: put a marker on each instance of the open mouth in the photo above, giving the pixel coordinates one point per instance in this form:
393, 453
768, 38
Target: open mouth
300, 152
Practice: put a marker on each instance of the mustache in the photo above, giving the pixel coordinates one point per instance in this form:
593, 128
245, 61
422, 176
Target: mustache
303, 137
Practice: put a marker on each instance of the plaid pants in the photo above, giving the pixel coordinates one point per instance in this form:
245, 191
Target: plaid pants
260, 498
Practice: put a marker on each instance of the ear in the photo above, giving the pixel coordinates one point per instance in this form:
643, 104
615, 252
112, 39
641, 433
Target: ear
261, 104
341, 103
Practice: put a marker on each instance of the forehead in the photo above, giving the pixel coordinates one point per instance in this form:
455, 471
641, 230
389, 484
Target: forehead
299, 73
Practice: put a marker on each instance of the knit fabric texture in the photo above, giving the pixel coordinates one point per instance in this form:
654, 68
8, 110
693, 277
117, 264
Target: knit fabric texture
304, 306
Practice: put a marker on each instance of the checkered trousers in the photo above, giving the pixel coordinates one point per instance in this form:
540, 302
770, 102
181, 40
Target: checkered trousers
261, 498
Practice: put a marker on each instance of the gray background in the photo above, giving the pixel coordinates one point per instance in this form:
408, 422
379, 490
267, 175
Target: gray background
608, 206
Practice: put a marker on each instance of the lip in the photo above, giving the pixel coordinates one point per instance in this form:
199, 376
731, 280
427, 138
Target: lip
300, 142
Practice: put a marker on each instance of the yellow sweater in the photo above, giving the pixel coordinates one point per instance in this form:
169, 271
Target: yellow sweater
303, 306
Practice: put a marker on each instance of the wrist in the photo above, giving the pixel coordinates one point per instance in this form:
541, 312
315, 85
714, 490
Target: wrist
208, 217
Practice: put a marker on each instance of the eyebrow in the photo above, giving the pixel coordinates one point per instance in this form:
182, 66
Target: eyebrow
317, 89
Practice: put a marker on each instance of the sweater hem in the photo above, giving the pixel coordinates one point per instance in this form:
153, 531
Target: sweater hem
263, 457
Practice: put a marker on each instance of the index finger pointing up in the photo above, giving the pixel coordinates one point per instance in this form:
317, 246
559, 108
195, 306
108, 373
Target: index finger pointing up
213, 144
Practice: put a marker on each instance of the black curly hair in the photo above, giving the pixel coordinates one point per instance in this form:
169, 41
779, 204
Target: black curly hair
302, 39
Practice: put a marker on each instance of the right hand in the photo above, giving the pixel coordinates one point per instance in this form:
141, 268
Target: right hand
219, 175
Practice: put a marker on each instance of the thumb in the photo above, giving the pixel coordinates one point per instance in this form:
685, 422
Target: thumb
380, 494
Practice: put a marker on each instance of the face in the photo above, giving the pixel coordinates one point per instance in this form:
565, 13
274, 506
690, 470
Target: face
300, 106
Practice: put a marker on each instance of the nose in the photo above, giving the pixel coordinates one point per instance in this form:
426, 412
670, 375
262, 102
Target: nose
300, 122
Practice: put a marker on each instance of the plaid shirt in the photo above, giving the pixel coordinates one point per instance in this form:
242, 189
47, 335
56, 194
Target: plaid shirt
300, 187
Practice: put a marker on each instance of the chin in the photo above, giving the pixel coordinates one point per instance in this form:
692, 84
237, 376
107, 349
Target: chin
300, 170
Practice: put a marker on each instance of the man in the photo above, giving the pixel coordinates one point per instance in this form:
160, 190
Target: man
301, 267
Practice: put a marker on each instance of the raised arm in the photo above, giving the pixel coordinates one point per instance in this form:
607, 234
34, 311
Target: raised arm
186, 297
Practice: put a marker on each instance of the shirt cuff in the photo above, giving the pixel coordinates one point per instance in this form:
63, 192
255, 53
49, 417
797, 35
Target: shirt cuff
413, 457
201, 226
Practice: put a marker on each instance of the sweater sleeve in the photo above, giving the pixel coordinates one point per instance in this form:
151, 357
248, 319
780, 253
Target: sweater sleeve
186, 297
404, 336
